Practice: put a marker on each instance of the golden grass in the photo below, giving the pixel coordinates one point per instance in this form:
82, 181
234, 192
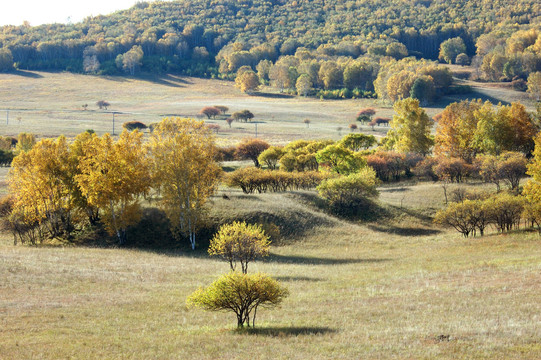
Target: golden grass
357, 291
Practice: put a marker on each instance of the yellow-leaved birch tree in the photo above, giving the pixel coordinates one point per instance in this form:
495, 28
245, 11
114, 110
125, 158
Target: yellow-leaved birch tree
113, 177
184, 171
41, 182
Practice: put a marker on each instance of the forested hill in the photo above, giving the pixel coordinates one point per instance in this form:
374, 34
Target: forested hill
187, 35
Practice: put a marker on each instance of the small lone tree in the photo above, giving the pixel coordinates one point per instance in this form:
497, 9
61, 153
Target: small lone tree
134, 125
365, 115
352, 127
244, 115
102, 104
214, 127
229, 121
240, 242
240, 293
210, 111
223, 109
307, 122
251, 149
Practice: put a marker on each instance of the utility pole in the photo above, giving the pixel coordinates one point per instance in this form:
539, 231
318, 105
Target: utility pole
256, 130
113, 124
7, 117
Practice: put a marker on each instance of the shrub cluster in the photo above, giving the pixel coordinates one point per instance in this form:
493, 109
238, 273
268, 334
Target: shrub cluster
391, 165
504, 211
252, 179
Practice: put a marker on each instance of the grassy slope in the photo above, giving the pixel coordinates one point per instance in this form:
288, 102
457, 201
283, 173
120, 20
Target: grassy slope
391, 289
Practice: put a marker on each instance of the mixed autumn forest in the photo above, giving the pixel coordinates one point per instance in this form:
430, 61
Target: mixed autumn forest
273, 179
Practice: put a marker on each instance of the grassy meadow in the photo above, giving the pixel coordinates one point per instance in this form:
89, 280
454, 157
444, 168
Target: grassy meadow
389, 286
50, 104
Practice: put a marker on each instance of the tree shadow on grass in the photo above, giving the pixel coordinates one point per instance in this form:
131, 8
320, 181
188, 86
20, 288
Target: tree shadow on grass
272, 95
368, 211
167, 80
403, 230
304, 260
287, 331
393, 190
297, 278
28, 74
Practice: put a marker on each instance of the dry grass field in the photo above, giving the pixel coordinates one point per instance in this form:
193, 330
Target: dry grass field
50, 104
396, 287
390, 286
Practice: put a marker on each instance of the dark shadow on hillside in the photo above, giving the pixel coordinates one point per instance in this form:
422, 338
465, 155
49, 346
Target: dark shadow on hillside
297, 278
272, 95
305, 260
114, 78
393, 211
246, 197
475, 94
292, 223
27, 74
166, 80
403, 230
175, 115
286, 331
366, 212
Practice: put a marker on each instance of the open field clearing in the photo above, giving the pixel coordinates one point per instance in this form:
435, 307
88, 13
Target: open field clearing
50, 104
389, 285
392, 288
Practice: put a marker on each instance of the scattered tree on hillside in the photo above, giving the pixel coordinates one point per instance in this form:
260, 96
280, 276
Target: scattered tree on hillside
240, 242
339, 159
534, 85
132, 59
247, 81
25, 142
210, 111
271, 156
532, 190
241, 294
456, 130
244, 115
251, 149
6, 60
365, 115
450, 49
102, 104
347, 195
410, 128
223, 109
462, 59
41, 184
358, 142
134, 125
184, 171
304, 84
113, 176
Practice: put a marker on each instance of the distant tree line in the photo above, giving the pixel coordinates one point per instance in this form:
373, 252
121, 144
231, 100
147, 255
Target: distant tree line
205, 38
